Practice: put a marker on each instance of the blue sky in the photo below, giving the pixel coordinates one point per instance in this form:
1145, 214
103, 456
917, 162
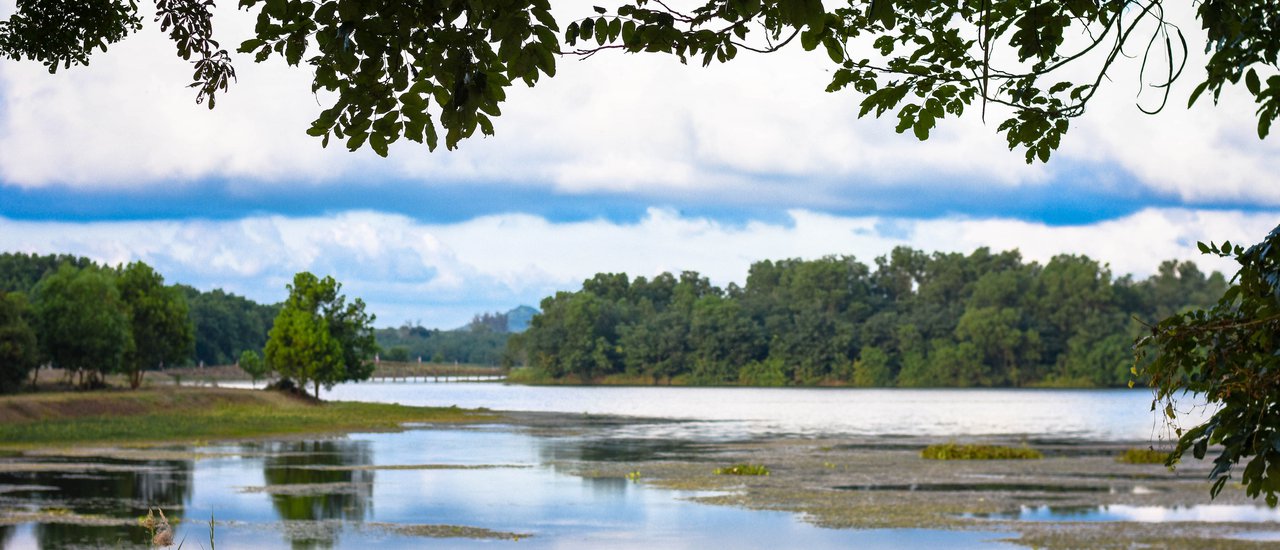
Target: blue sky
620, 163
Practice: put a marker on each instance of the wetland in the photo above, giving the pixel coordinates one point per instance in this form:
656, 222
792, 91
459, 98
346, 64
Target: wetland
636, 468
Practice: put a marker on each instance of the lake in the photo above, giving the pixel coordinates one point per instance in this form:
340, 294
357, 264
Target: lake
500, 486
730, 413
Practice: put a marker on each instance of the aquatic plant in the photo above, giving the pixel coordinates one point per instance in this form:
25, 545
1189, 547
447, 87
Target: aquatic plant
634, 475
1142, 456
158, 529
743, 470
952, 451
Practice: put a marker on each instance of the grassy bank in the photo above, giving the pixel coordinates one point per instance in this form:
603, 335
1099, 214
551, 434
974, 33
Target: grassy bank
192, 414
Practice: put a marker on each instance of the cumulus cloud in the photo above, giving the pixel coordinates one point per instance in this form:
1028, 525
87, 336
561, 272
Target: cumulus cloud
442, 274
636, 125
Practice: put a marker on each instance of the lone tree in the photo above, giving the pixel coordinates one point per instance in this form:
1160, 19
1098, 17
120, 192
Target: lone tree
19, 351
320, 338
158, 320
253, 365
412, 69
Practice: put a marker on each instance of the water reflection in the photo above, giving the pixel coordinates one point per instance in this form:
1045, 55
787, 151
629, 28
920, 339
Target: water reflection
622, 449
107, 488
318, 481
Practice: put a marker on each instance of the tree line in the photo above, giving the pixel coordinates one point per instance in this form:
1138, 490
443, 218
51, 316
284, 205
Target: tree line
93, 320
912, 320
89, 320
224, 324
483, 341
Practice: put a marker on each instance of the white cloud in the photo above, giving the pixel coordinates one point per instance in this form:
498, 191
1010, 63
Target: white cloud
444, 273
634, 124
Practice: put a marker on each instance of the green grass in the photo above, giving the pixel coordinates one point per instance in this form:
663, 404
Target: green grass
192, 414
1142, 456
743, 470
952, 451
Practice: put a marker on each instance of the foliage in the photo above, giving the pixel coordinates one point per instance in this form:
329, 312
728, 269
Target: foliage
743, 470
385, 63
226, 324
318, 337
158, 320
1142, 456
19, 351
20, 272
952, 451
1227, 354
82, 323
916, 320
253, 365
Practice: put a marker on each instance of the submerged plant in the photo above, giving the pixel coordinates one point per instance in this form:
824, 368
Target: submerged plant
743, 470
952, 451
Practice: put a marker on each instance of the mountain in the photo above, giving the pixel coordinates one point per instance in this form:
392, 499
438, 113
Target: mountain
518, 319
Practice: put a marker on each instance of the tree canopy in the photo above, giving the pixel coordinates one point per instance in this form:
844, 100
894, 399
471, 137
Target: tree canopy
397, 70
82, 322
158, 321
19, 350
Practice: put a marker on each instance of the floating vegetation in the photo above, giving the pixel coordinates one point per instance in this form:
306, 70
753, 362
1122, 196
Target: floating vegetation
743, 470
634, 475
1142, 456
952, 451
307, 489
442, 531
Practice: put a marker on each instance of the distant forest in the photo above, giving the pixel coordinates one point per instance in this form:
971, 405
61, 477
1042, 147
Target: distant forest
911, 320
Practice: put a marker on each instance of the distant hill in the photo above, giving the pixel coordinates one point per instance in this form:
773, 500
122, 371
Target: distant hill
518, 319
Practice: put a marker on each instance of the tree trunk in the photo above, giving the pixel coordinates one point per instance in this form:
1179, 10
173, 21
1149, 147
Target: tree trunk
35, 376
317, 390
136, 379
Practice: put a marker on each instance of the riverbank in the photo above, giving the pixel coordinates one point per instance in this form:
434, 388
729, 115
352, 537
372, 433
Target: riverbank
194, 414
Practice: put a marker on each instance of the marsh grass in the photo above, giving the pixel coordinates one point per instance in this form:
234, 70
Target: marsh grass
952, 451
1142, 456
743, 470
193, 414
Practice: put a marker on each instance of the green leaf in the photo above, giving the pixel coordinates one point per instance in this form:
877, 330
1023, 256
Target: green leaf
379, 143
1251, 82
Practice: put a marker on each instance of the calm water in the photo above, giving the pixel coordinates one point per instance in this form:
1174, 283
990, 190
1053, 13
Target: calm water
329, 493
248, 493
1106, 415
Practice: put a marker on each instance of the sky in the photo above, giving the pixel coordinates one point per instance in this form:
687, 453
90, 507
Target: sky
626, 163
